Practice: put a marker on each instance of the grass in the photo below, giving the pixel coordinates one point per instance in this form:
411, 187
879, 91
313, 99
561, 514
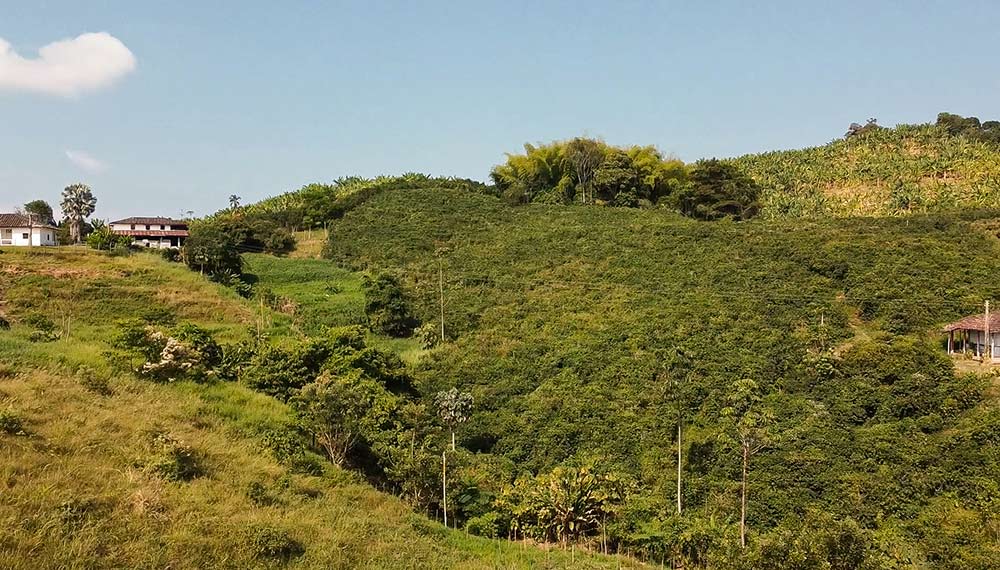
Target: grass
77, 489
322, 294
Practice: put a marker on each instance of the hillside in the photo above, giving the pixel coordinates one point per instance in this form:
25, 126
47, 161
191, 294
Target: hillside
585, 333
99, 469
883, 172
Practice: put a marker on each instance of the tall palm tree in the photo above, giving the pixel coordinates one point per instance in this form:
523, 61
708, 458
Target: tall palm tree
77, 203
234, 201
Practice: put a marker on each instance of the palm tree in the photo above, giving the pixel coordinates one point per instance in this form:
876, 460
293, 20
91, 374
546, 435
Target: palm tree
234, 201
77, 203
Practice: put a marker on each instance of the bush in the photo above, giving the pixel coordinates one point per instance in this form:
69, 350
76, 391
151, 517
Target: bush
386, 307
103, 238
489, 525
184, 352
39, 322
172, 459
4, 324
171, 254
264, 541
258, 494
89, 379
42, 336
11, 423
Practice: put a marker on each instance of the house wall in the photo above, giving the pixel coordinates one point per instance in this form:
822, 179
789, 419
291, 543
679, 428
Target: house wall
27, 236
978, 341
141, 227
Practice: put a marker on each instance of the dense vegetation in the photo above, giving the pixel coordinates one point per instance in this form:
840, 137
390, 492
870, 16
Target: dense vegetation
586, 335
949, 165
128, 444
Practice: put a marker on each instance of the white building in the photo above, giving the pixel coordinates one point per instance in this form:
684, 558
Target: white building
20, 230
152, 232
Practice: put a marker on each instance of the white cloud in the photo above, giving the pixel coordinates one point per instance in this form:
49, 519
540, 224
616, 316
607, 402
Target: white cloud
86, 161
67, 67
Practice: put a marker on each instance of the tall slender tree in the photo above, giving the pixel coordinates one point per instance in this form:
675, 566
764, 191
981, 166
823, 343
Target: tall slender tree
78, 202
750, 424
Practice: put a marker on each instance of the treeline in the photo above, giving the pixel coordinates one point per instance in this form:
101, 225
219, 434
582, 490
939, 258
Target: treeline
588, 171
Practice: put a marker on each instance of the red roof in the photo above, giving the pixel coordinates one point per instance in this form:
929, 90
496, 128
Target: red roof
152, 233
975, 323
20, 221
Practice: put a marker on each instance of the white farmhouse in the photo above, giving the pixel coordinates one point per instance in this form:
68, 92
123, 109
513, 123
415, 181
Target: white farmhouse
21, 230
152, 232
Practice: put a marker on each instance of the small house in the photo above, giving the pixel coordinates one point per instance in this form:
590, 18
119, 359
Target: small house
975, 335
152, 232
25, 230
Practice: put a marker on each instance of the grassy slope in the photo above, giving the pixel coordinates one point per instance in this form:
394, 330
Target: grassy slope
72, 493
564, 317
885, 172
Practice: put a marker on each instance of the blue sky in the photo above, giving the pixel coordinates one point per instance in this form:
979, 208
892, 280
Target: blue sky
260, 97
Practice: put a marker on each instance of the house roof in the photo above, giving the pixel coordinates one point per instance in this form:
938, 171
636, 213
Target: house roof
152, 233
20, 221
150, 221
974, 323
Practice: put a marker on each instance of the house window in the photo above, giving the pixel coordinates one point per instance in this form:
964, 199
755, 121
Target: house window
162, 227
147, 226
24, 236
133, 226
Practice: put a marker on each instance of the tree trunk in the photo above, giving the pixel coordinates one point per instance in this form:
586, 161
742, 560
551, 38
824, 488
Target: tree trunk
678, 467
444, 486
453, 440
743, 500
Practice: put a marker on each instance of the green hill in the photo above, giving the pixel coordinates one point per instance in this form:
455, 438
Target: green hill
901, 170
102, 470
584, 333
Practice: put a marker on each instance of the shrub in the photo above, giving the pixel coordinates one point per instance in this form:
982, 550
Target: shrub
103, 238
386, 307
489, 525
171, 254
264, 541
90, 380
40, 322
4, 324
184, 352
172, 459
258, 494
11, 423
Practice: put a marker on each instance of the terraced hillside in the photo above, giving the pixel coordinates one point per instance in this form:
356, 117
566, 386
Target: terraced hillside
102, 470
883, 172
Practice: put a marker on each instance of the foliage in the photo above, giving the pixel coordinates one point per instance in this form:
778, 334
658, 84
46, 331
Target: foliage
40, 210
271, 543
563, 321
211, 249
78, 202
11, 423
184, 352
587, 171
386, 306
908, 169
341, 410
564, 505
171, 459
103, 238
718, 190
969, 127
92, 381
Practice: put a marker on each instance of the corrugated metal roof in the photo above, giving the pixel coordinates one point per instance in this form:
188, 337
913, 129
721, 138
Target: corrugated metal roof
975, 323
